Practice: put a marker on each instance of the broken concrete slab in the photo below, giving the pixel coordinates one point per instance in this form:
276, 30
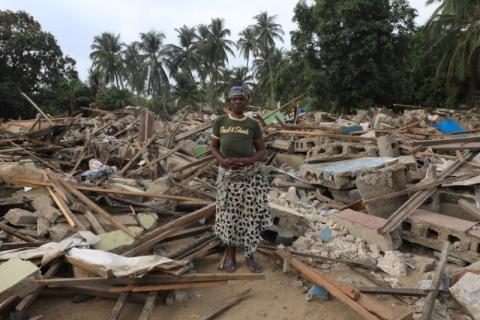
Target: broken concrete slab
43, 205
393, 263
375, 183
114, 241
60, 231
161, 185
13, 273
43, 226
147, 220
288, 219
341, 174
365, 227
467, 293
21, 218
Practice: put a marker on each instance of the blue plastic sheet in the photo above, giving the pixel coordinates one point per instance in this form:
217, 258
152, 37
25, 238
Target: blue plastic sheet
449, 126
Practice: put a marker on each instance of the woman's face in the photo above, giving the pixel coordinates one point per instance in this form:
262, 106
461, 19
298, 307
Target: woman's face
238, 104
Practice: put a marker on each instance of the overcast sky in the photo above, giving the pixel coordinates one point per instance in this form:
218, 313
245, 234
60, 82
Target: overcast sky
74, 23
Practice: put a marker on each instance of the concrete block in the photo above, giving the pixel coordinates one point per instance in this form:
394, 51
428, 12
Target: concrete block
288, 219
388, 146
375, 183
43, 205
467, 293
336, 151
21, 218
13, 273
147, 220
365, 227
341, 175
345, 196
43, 226
125, 219
60, 231
161, 185
114, 240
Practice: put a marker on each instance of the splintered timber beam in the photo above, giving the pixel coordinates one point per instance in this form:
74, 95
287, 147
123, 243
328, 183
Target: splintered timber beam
436, 282
146, 242
83, 198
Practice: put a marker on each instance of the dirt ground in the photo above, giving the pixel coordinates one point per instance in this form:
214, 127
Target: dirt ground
279, 297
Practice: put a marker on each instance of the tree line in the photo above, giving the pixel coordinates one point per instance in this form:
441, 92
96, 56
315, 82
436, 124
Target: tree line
344, 55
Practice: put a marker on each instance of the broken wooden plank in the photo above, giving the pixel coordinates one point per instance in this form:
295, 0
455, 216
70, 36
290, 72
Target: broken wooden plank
189, 133
437, 142
111, 191
312, 275
224, 307
147, 241
149, 306
151, 279
63, 208
94, 222
412, 292
117, 308
436, 283
92, 205
15, 233
137, 155
166, 287
38, 108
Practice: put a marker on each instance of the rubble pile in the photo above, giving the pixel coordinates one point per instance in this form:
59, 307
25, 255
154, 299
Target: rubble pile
120, 205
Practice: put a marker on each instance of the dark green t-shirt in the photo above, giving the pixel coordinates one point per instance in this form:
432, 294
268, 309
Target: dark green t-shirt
236, 136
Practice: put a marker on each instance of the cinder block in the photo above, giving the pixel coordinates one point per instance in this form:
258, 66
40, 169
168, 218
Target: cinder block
365, 226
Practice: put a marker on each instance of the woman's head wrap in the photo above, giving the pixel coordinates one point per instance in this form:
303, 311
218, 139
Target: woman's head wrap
239, 91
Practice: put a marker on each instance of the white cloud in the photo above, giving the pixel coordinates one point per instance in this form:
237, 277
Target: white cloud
74, 23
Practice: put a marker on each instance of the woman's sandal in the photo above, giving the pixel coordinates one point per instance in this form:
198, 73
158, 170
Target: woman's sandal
253, 266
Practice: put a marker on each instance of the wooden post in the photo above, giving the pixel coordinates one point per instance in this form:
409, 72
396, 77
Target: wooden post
38, 108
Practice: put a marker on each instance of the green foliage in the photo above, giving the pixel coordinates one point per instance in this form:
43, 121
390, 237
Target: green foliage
454, 30
113, 98
356, 50
30, 61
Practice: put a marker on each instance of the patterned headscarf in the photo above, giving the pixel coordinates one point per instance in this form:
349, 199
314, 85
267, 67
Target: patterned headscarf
239, 91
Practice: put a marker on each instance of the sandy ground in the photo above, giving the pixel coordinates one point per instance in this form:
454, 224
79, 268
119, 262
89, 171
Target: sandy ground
278, 297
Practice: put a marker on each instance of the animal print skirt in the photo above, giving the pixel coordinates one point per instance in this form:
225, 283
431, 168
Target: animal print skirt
242, 207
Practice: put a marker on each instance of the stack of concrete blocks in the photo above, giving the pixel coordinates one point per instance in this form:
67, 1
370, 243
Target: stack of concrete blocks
340, 151
432, 229
303, 145
341, 175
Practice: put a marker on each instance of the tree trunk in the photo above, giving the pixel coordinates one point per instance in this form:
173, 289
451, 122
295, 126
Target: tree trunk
472, 100
272, 94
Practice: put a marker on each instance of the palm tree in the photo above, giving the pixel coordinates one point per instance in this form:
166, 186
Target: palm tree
247, 43
135, 67
183, 58
241, 77
214, 47
455, 30
107, 58
185, 91
201, 48
155, 59
267, 32
262, 70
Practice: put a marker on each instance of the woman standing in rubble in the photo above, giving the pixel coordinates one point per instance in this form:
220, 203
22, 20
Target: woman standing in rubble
242, 206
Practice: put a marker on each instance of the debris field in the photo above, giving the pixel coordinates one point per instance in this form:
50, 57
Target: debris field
120, 205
